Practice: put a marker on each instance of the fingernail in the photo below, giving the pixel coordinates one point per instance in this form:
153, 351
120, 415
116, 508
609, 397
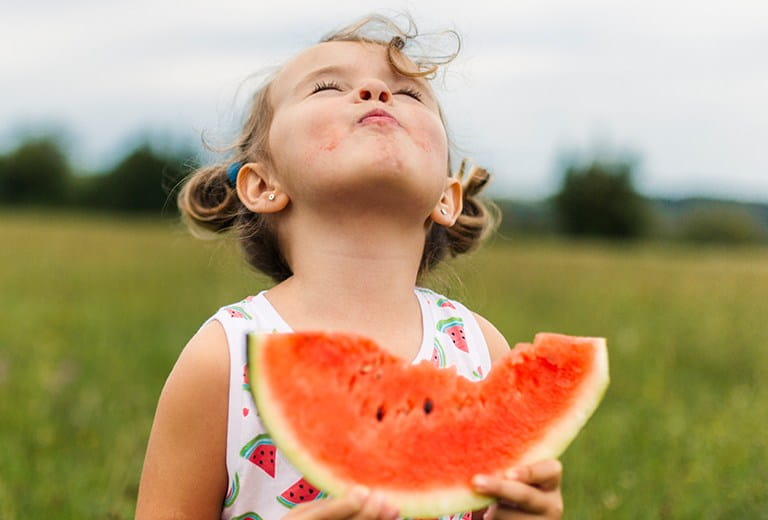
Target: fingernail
360, 493
511, 474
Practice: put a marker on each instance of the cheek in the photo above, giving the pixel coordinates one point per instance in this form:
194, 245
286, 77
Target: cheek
297, 142
317, 132
431, 139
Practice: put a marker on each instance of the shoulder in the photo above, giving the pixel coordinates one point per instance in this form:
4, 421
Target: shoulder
204, 360
497, 344
191, 417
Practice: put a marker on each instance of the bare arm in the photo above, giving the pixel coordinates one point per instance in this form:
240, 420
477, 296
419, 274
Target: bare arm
497, 344
184, 474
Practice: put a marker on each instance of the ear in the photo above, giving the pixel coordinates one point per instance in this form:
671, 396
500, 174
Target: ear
258, 191
449, 207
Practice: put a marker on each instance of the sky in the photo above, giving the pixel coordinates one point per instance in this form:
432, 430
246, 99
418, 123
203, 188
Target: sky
680, 86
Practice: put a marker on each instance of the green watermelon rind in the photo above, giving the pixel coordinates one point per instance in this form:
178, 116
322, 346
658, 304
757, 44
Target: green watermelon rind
446, 500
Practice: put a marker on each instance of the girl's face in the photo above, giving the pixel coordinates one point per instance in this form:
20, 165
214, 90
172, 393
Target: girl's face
347, 128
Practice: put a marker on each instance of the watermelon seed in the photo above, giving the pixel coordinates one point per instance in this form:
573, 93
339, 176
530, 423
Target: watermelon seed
365, 369
428, 406
380, 413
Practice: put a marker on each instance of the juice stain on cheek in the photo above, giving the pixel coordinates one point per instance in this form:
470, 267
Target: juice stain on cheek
329, 142
421, 141
330, 145
424, 145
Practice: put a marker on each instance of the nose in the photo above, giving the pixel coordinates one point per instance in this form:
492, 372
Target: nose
374, 89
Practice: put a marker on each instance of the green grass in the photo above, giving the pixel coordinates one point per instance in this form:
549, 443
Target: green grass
95, 311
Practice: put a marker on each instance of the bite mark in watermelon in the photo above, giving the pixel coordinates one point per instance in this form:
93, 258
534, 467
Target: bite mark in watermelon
300, 492
261, 451
345, 412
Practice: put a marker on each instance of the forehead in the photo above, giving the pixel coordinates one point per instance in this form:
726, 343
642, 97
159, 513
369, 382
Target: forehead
356, 57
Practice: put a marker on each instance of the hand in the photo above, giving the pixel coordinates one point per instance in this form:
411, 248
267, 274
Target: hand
358, 504
531, 491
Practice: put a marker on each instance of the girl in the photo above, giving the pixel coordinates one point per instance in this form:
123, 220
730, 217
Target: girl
340, 190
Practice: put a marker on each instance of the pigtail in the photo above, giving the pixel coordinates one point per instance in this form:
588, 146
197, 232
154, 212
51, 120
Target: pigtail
208, 202
478, 219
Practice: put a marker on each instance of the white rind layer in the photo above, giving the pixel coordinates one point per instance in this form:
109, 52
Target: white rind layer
442, 501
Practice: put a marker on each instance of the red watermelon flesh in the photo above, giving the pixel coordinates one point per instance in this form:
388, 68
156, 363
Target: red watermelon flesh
346, 412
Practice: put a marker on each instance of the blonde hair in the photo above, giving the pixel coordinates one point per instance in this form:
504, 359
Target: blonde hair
209, 203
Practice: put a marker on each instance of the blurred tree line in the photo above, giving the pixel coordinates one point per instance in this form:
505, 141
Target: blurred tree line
38, 173
597, 196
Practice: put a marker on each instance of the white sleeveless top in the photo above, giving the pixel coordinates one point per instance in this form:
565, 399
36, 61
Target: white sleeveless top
262, 484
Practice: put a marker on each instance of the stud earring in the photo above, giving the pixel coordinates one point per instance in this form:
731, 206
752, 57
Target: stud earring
443, 212
271, 196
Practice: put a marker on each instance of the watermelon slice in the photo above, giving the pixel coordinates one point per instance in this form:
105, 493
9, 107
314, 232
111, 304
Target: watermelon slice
300, 492
261, 451
247, 516
454, 327
345, 412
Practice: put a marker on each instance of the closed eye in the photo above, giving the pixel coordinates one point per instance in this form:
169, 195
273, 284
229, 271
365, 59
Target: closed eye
410, 91
325, 85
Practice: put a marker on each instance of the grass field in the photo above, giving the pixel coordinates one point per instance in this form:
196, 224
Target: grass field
94, 312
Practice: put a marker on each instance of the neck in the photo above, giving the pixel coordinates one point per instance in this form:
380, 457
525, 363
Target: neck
350, 274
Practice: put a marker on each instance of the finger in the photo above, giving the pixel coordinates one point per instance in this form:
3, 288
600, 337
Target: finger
375, 508
513, 514
332, 508
545, 474
524, 496
494, 512
490, 512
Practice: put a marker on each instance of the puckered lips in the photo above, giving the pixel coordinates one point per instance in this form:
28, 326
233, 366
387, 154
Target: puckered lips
378, 116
